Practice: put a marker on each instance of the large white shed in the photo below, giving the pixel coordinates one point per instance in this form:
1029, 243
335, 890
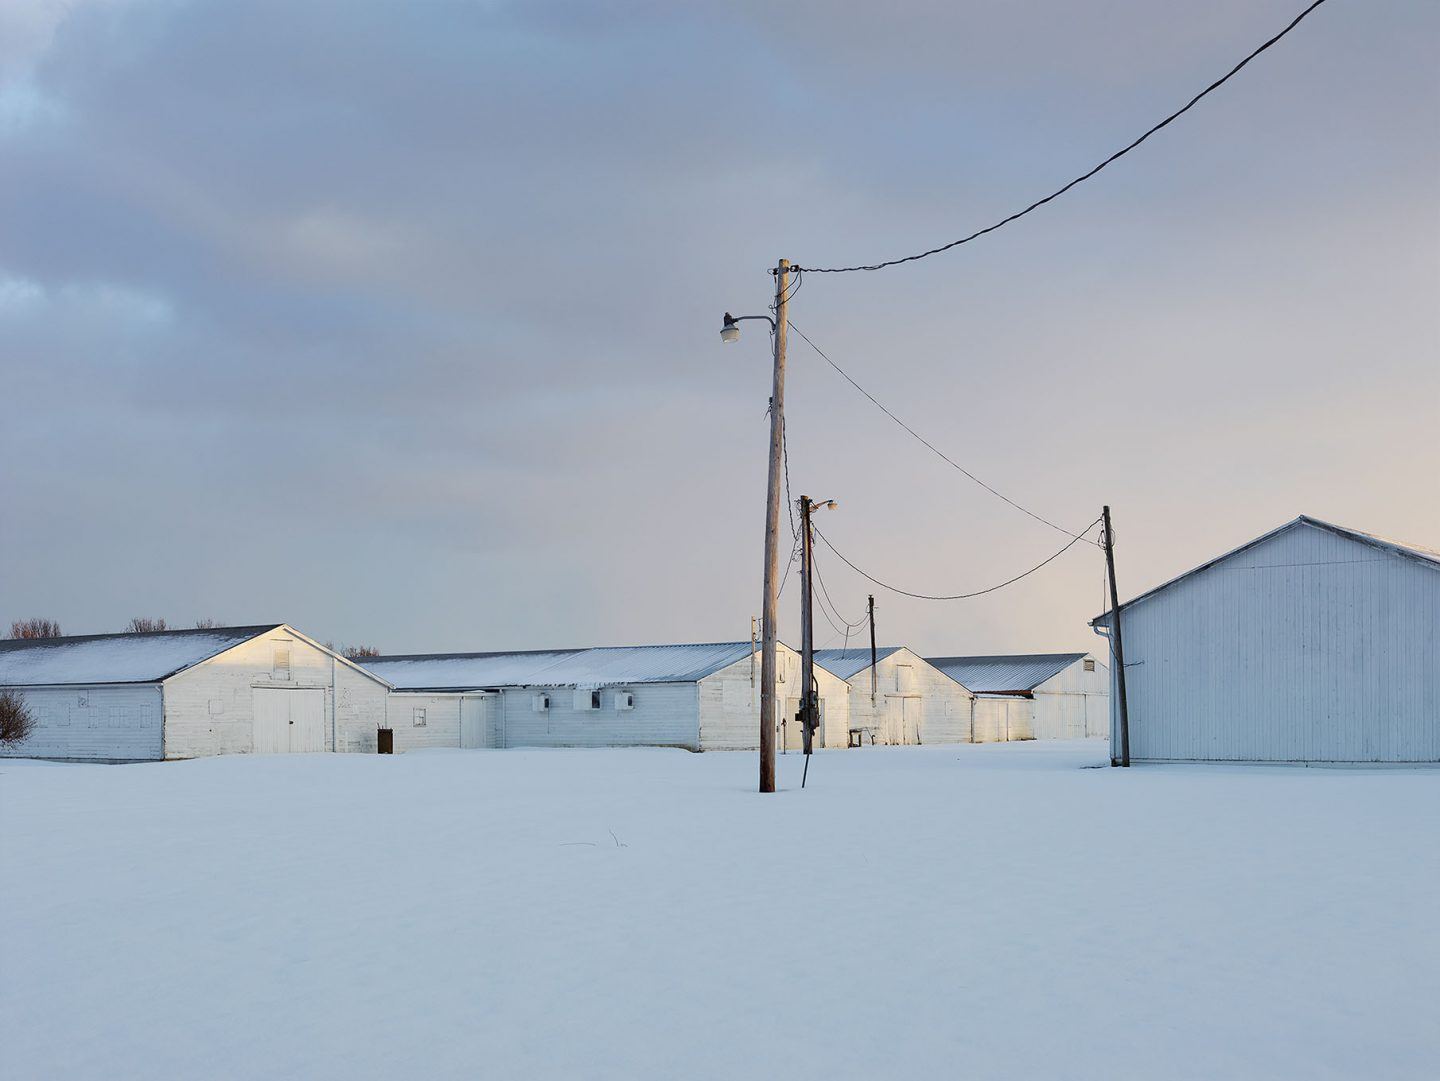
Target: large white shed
186, 694
900, 699
696, 696
1033, 695
1312, 643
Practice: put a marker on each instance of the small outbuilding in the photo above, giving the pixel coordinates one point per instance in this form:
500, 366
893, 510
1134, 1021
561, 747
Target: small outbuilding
1033, 695
699, 697
901, 698
186, 694
1313, 643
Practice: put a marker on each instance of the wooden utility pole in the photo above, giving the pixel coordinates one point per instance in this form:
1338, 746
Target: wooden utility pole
870, 611
1118, 641
768, 711
807, 631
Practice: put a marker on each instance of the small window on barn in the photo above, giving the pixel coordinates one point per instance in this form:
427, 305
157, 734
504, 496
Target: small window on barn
594, 699
1089, 664
419, 718
280, 663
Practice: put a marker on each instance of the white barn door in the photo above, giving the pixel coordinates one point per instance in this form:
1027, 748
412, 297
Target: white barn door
289, 720
472, 721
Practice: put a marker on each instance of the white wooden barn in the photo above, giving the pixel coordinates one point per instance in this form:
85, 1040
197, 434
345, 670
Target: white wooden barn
185, 694
699, 697
1033, 695
901, 699
1312, 643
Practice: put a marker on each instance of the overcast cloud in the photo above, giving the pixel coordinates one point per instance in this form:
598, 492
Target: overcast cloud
399, 322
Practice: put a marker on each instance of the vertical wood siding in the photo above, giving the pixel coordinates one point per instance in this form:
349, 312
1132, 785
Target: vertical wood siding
1309, 647
116, 723
1073, 703
729, 706
944, 704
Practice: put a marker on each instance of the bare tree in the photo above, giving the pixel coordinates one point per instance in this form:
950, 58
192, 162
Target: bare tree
359, 653
141, 624
35, 628
15, 717
208, 624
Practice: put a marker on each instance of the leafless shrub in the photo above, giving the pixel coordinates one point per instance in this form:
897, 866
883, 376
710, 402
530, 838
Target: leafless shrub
141, 624
359, 653
207, 624
35, 628
15, 717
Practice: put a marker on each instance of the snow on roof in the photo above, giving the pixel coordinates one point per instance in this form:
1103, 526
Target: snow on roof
115, 658
851, 660
1418, 553
602, 666
1006, 674
464, 671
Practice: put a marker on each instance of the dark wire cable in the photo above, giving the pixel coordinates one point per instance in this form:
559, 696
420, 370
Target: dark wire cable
925, 442
955, 596
1084, 176
834, 608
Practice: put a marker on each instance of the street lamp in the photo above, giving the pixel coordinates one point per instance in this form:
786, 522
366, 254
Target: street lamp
730, 332
730, 329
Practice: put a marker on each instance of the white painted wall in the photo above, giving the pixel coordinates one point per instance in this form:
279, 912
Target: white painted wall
209, 709
114, 723
442, 716
729, 705
1308, 647
999, 718
665, 715
944, 705
1073, 703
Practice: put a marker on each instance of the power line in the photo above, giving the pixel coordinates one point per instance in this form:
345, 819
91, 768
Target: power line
956, 596
1084, 176
923, 441
814, 566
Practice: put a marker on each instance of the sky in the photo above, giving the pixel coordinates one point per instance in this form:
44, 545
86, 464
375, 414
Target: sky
399, 322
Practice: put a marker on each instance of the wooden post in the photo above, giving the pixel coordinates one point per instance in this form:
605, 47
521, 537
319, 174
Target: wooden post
807, 632
1118, 641
768, 712
870, 611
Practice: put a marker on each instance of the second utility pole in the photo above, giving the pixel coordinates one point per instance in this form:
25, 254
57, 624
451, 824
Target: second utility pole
768, 711
807, 634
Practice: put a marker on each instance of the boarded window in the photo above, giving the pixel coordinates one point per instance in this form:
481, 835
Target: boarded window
280, 663
904, 677
419, 718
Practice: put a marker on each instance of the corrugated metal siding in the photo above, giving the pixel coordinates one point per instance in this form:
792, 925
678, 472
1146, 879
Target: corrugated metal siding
1308, 647
101, 724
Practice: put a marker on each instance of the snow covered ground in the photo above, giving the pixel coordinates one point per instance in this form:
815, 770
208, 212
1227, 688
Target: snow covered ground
991, 911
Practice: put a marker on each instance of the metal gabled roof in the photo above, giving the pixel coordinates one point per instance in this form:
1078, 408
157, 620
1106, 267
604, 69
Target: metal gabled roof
1005, 674
90, 659
595, 667
852, 660
1417, 553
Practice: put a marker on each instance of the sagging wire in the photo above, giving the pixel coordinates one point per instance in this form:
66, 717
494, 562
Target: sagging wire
957, 596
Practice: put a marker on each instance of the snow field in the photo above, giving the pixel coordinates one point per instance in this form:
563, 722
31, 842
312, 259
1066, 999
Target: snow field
992, 911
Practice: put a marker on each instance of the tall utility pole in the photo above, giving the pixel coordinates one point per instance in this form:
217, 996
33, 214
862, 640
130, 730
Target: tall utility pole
870, 611
768, 712
1118, 641
807, 630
